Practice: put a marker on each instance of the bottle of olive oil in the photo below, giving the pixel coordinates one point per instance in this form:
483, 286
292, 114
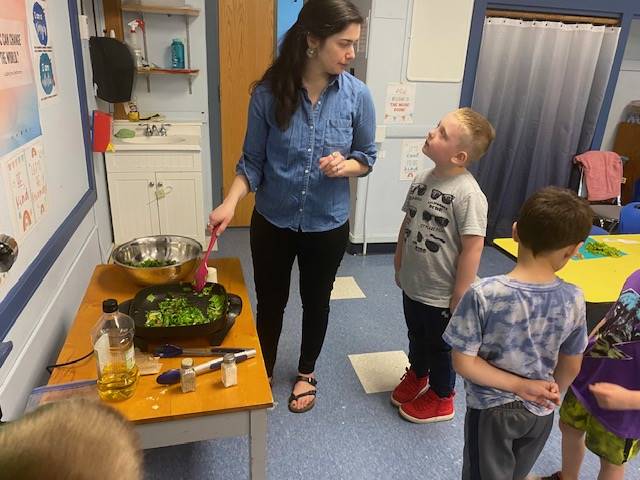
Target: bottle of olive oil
114, 352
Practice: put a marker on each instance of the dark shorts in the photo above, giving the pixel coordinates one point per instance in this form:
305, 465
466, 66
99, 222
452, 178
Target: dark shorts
503, 442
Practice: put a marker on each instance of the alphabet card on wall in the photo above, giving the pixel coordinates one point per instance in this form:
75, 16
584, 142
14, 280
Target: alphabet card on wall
37, 180
26, 186
14, 170
43, 58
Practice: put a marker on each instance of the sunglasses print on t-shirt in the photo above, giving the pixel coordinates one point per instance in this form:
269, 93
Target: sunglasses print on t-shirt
418, 188
440, 221
447, 198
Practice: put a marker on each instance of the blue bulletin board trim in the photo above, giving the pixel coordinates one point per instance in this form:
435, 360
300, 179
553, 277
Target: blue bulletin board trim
625, 10
18, 297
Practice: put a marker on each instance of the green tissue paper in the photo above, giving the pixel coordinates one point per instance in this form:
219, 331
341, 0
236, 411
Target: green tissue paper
125, 133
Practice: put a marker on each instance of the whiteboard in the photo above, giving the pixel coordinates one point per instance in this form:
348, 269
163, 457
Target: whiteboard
438, 40
61, 185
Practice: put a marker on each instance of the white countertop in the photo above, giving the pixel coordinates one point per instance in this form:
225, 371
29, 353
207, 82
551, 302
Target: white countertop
173, 143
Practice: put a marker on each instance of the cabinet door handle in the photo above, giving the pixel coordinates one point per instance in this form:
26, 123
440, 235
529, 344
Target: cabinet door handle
151, 184
160, 184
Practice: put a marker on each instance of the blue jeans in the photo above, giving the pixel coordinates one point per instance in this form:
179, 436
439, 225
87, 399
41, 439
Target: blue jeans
429, 354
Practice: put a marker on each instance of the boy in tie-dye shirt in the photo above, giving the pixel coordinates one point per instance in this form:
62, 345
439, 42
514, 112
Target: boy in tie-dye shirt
518, 339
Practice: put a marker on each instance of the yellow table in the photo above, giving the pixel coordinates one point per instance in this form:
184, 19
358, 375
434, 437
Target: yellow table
599, 278
162, 414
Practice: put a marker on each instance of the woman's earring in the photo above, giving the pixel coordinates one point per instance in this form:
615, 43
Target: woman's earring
311, 52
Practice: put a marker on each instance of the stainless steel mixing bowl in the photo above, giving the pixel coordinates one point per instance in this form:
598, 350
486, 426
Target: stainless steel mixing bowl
185, 251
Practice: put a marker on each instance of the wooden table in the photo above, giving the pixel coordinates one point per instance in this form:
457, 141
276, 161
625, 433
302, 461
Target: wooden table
599, 278
163, 415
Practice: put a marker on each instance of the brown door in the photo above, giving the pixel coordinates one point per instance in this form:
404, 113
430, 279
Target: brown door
247, 45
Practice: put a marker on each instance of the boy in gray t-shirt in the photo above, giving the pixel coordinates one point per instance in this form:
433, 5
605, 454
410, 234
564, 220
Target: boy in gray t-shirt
437, 257
518, 340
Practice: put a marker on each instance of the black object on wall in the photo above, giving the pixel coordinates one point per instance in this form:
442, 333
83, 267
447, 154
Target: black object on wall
113, 69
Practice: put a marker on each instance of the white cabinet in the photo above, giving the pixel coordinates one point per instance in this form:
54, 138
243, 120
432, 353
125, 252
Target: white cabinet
155, 192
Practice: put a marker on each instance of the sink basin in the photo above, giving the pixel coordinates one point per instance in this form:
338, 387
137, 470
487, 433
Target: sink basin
169, 140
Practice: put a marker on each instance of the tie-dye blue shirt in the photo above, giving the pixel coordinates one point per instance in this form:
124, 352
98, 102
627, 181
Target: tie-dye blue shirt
520, 328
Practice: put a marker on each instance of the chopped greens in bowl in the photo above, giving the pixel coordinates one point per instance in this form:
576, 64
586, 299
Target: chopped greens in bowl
151, 263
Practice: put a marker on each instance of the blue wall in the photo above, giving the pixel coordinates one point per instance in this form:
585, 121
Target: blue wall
287, 15
622, 9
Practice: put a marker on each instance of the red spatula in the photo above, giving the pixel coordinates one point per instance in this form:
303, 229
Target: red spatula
200, 278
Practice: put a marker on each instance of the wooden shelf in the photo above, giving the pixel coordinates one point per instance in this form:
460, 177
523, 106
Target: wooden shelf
155, 71
160, 9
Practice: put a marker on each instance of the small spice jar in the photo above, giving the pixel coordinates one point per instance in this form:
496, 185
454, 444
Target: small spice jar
187, 375
229, 370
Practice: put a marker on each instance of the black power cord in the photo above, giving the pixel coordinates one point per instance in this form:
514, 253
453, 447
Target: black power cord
70, 362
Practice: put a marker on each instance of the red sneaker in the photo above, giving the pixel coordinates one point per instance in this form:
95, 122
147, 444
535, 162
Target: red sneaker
428, 408
409, 388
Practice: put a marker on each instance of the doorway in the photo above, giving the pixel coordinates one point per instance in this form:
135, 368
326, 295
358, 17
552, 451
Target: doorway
247, 44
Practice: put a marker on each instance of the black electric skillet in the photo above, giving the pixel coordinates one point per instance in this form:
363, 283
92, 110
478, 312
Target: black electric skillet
214, 330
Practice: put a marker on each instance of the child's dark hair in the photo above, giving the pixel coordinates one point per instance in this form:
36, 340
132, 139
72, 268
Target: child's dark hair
553, 218
320, 19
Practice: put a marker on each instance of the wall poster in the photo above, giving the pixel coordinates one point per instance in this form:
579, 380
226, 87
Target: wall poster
43, 58
19, 115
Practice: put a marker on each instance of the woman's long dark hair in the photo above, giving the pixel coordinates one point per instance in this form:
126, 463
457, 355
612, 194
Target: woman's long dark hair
319, 18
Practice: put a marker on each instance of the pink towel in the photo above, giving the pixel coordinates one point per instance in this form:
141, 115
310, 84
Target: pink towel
602, 174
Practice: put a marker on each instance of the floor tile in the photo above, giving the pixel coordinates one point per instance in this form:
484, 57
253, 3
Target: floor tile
379, 371
345, 288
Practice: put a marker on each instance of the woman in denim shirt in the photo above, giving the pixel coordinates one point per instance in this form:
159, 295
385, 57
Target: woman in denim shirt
311, 126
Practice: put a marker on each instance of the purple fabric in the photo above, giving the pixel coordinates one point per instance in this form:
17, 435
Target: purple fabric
619, 337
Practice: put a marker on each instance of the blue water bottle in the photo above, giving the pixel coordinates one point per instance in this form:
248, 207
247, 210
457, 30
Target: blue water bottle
177, 53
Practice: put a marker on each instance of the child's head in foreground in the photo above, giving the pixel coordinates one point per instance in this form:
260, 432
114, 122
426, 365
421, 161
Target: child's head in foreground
71, 439
553, 222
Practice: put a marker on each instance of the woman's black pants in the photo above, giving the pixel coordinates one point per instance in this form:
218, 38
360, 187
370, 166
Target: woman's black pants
319, 255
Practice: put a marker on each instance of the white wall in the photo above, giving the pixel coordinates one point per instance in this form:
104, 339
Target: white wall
377, 199
170, 95
41, 328
632, 50
628, 86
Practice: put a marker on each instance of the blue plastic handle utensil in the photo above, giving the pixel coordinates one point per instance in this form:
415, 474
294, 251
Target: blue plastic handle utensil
171, 377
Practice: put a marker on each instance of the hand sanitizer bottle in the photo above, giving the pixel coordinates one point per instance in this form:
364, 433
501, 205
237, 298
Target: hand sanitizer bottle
177, 54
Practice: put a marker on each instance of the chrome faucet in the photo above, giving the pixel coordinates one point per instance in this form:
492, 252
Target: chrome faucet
147, 129
154, 131
163, 129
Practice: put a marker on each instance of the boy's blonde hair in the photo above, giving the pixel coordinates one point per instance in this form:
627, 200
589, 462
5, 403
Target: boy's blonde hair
480, 132
79, 439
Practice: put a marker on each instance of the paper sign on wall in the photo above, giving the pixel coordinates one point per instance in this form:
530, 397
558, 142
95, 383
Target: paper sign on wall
26, 187
19, 115
412, 159
401, 99
17, 183
43, 58
37, 180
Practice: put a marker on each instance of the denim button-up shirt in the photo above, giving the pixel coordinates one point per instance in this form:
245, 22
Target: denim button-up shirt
282, 167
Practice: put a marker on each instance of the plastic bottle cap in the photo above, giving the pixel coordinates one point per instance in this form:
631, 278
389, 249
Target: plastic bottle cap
110, 305
229, 358
187, 362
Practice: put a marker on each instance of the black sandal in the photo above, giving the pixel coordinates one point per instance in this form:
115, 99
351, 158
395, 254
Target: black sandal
313, 382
